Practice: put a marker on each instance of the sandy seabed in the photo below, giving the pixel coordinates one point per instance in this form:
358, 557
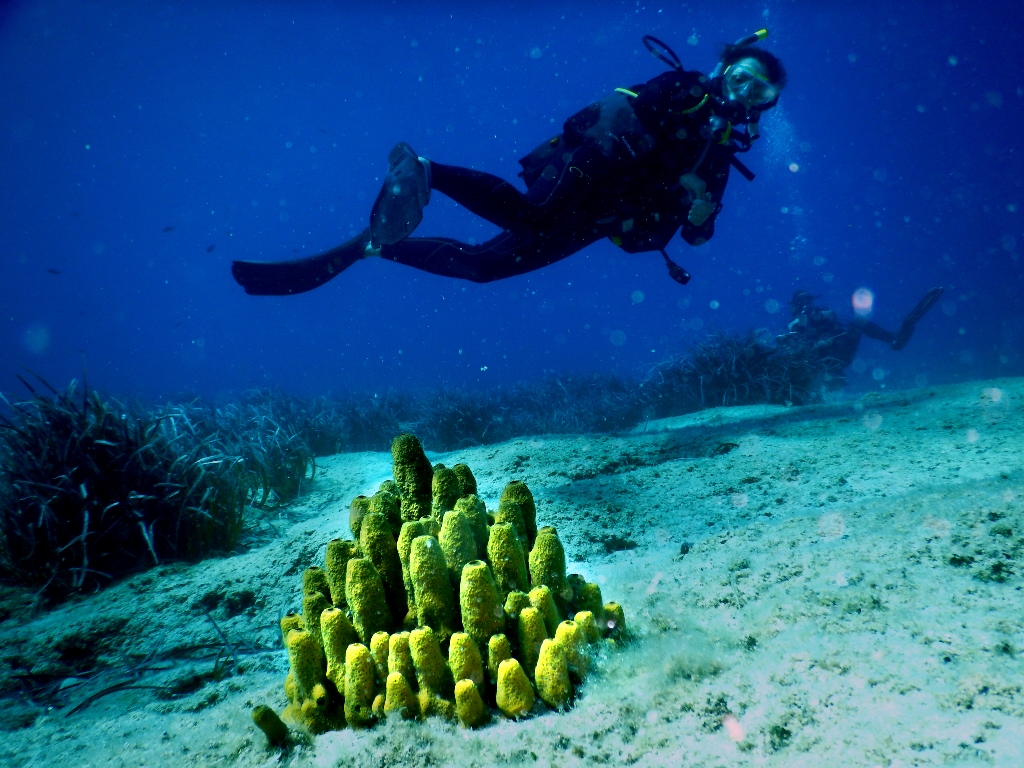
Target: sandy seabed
830, 585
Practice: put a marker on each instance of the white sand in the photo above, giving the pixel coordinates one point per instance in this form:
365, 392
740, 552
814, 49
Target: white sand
852, 597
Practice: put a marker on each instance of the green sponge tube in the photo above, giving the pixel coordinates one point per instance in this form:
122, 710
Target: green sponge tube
380, 645
505, 551
518, 492
289, 622
574, 643
306, 659
466, 479
585, 621
431, 670
614, 621
547, 566
458, 544
339, 552
541, 599
445, 491
531, 635
400, 657
469, 705
388, 502
432, 589
515, 694
409, 532
464, 659
476, 511
366, 599
482, 613
315, 580
588, 598
510, 511
338, 634
356, 511
398, 697
414, 476
312, 606
498, 650
552, 675
268, 722
359, 685
378, 545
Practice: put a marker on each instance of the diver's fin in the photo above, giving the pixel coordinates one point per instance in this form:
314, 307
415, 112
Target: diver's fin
398, 209
283, 278
907, 328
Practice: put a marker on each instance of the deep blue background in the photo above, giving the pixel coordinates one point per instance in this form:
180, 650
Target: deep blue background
262, 130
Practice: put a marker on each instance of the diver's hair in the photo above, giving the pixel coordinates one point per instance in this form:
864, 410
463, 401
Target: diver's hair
772, 66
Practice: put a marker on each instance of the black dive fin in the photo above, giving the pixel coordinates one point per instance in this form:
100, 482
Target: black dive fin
398, 209
910, 321
283, 278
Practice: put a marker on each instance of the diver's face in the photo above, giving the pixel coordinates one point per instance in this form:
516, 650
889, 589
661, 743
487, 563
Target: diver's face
747, 82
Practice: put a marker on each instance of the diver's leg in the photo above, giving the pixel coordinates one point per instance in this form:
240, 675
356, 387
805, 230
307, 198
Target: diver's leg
486, 195
875, 331
508, 254
282, 278
902, 336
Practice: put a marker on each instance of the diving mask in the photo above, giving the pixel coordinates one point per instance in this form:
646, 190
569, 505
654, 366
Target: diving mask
748, 86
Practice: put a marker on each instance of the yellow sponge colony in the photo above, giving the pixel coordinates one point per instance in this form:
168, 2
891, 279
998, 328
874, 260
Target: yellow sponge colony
435, 611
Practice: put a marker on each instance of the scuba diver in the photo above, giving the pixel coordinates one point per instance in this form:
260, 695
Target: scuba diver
826, 337
634, 167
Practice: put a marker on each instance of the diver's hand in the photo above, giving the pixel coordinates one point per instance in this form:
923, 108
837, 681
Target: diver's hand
701, 210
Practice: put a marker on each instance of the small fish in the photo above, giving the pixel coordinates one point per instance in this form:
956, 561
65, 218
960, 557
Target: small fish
53, 271
168, 229
209, 248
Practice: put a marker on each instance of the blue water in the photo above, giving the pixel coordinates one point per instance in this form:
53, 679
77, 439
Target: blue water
143, 146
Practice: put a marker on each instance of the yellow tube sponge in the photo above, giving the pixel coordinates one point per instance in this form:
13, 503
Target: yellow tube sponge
588, 598
414, 476
338, 634
306, 660
289, 622
398, 697
445, 491
552, 675
364, 593
466, 479
268, 722
585, 621
614, 621
380, 645
410, 531
356, 511
315, 580
359, 685
482, 613
505, 551
476, 511
469, 705
458, 544
387, 502
515, 694
574, 643
541, 599
432, 705
378, 545
518, 492
400, 657
498, 650
339, 552
432, 589
431, 670
510, 511
312, 606
464, 659
531, 634
547, 565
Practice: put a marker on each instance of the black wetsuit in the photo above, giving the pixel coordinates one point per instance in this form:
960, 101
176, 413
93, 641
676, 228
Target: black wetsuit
830, 338
584, 186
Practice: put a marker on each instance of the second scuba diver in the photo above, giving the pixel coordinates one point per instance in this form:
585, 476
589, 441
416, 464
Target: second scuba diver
634, 167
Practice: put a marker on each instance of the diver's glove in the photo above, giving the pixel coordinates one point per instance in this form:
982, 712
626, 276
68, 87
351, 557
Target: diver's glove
701, 205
